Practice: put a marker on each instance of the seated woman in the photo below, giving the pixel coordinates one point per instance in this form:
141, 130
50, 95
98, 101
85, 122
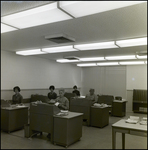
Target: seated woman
93, 97
52, 95
62, 100
17, 97
75, 91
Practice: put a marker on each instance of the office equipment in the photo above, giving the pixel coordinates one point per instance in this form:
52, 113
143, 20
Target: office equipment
140, 101
41, 117
81, 105
99, 116
119, 108
13, 118
118, 98
67, 129
126, 128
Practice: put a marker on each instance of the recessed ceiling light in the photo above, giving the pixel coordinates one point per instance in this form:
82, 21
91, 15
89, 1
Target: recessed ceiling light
86, 65
6, 28
90, 46
66, 60
92, 59
30, 52
36, 16
131, 62
107, 64
59, 49
141, 57
132, 42
83, 8
120, 57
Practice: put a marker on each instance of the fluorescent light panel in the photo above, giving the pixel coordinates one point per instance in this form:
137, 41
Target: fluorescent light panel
92, 59
132, 42
30, 52
37, 16
141, 57
86, 65
6, 28
131, 63
59, 49
145, 62
83, 8
107, 64
120, 57
66, 60
91, 46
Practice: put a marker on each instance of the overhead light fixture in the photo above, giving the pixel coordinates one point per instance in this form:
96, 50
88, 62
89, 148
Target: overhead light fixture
141, 57
120, 57
86, 65
83, 8
132, 42
36, 16
131, 63
146, 62
92, 59
6, 28
103, 45
66, 60
107, 64
59, 49
30, 52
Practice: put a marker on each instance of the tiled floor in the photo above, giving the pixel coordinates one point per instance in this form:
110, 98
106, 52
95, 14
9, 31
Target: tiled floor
92, 138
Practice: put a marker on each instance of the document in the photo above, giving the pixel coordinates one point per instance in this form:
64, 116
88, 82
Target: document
57, 103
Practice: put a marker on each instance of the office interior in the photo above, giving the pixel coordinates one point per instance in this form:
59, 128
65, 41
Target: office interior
34, 73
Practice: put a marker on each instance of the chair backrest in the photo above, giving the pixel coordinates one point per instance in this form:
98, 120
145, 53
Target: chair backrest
37, 97
106, 99
69, 95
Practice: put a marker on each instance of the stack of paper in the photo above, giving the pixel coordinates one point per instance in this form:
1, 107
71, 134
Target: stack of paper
132, 119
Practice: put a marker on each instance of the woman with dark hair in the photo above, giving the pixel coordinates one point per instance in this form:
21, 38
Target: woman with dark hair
75, 91
17, 97
52, 94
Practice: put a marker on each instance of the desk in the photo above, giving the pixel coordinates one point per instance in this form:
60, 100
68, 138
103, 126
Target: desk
99, 116
123, 127
81, 105
13, 118
67, 129
41, 118
119, 108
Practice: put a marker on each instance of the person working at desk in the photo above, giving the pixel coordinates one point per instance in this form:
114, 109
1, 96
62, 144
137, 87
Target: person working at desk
52, 94
75, 91
62, 101
17, 97
93, 97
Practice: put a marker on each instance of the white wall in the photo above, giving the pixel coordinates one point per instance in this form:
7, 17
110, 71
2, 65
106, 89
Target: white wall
105, 80
31, 72
115, 80
136, 77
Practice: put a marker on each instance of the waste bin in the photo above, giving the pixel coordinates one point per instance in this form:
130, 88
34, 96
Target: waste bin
27, 130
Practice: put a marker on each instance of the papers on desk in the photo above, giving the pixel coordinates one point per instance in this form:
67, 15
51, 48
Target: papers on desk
100, 105
143, 121
63, 113
57, 103
20, 106
132, 119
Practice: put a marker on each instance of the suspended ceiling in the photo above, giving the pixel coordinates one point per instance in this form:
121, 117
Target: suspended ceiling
123, 23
